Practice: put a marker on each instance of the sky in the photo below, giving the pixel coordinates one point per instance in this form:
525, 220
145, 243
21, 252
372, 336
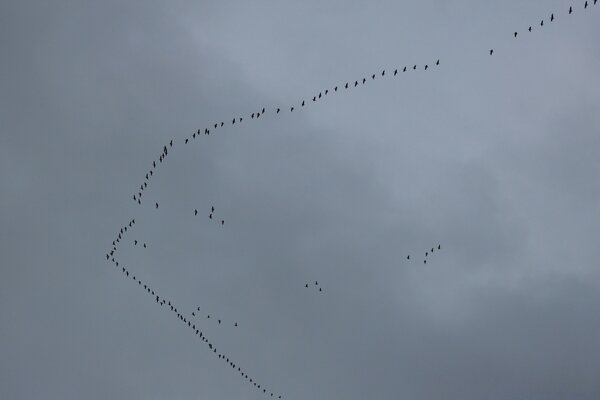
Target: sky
494, 158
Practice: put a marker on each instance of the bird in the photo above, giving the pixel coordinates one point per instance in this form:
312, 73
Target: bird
195, 212
144, 245
364, 80
320, 290
302, 103
542, 23
335, 89
233, 121
304, 285
212, 208
408, 257
346, 85
315, 98
319, 94
585, 5
426, 254
186, 141
395, 72
316, 283
439, 246
404, 70
210, 216
171, 143
292, 109
135, 242
383, 73
193, 314
154, 164
432, 249
278, 110
424, 261
529, 29
516, 34
156, 205
437, 62
219, 322
263, 111
326, 91
222, 222
570, 10
425, 67
373, 76
415, 66
235, 324
208, 317
552, 17
222, 123
491, 51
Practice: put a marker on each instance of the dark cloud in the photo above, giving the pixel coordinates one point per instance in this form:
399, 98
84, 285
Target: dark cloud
495, 158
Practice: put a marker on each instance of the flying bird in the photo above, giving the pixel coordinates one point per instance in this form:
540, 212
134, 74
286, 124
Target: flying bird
425, 67
278, 110
156, 205
552, 17
516, 34
585, 5
195, 212
222, 222
529, 29
491, 51
395, 72
570, 10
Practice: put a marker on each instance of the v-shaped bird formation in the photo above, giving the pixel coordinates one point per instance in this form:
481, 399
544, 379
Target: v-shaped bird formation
344, 86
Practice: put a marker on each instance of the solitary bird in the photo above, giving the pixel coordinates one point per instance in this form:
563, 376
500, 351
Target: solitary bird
222, 222
516, 34
542, 23
437, 62
292, 109
346, 85
415, 66
210, 216
425, 67
585, 5
135, 242
491, 51
552, 17
424, 261
529, 29
355, 83
570, 10
335, 89
383, 73
364, 80
408, 257
302, 103
278, 110
439, 246
144, 245
373, 76
186, 140
212, 209
395, 72
195, 212
304, 285
235, 324
156, 205
404, 70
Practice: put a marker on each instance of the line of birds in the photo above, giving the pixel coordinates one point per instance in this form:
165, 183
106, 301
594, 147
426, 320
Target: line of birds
304, 102
163, 301
552, 18
235, 324
137, 197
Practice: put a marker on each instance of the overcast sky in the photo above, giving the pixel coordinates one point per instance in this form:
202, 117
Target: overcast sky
495, 158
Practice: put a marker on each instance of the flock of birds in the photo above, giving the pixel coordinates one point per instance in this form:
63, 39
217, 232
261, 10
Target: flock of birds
162, 302
137, 197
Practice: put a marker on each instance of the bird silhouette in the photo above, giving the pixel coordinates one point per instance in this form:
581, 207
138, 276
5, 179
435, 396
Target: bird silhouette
355, 83
570, 10
210, 216
439, 246
404, 70
585, 5
516, 34
335, 89
156, 205
395, 72
278, 110
186, 140
144, 245
424, 261
529, 29
135, 242
364, 80
373, 76
425, 67
304, 285
292, 109
235, 325
415, 67
195, 212
408, 257
383, 73
302, 103
222, 222
542, 23
551, 17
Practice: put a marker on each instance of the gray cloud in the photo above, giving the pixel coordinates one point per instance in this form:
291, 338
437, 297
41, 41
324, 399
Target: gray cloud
495, 158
